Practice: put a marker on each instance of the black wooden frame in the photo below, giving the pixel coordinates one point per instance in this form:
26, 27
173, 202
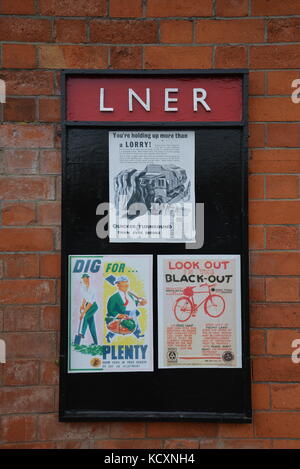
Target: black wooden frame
92, 415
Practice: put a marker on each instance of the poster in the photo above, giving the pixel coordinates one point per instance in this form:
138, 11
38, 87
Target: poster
199, 311
110, 313
152, 186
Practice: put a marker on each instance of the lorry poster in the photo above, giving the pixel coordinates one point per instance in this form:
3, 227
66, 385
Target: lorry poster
110, 313
152, 186
199, 311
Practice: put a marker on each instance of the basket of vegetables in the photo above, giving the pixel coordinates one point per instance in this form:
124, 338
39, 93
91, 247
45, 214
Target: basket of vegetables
122, 325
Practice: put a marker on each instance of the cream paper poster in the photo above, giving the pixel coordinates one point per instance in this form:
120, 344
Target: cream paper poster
152, 186
199, 311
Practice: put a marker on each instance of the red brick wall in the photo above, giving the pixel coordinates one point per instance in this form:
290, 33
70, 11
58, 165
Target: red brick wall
39, 38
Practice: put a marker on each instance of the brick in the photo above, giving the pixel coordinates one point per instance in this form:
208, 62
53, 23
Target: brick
256, 237
273, 7
279, 341
25, 29
282, 289
51, 429
275, 369
18, 428
127, 430
275, 263
20, 161
18, 213
71, 8
231, 56
279, 82
279, 56
282, 187
275, 161
126, 57
256, 83
17, 7
256, 186
49, 373
276, 166
50, 265
235, 430
27, 291
163, 8
284, 30
19, 56
180, 430
129, 444
26, 400
27, 239
50, 318
21, 318
50, 162
21, 373
28, 83
229, 31
272, 109
285, 396
257, 342
35, 345
125, 9
123, 31
275, 315
286, 444
181, 444
72, 444
270, 212
54, 56
49, 109
49, 213
20, 110
278, 424
232, 8
243, 444
257, 289
283, 135
176, 31
260, 396
256, 135
70, 30
30, 136
170, 57
37, 187
282, 237
21, 265
32, 445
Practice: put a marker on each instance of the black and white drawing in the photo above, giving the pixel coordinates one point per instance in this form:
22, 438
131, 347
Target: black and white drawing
155, 185
151, 186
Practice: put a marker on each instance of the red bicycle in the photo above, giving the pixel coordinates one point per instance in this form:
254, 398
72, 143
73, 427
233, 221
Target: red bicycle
185, 306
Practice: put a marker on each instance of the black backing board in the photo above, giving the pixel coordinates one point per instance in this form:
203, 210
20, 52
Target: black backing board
165, 394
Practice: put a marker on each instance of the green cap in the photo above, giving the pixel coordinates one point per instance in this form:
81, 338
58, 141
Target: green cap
85, 276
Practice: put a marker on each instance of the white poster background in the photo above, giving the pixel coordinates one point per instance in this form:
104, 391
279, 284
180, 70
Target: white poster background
230, 319
157, 169
138, 269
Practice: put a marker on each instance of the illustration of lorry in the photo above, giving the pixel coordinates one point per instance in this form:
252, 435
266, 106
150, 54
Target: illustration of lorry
163, 184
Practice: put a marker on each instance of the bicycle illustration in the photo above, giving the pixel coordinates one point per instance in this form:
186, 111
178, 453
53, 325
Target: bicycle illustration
185, 306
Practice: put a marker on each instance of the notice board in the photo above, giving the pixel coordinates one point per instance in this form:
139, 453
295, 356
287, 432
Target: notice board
154, 322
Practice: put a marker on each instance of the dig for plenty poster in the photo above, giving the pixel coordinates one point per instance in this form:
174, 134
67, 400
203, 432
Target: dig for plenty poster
199, 311
110, 313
